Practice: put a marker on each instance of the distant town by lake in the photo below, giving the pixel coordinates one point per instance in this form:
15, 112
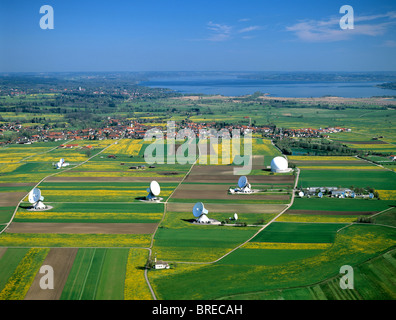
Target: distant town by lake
236, 86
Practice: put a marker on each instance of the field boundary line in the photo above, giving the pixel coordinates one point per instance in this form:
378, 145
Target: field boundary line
376, 214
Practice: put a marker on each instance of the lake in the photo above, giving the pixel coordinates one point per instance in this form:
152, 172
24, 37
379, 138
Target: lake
233, 86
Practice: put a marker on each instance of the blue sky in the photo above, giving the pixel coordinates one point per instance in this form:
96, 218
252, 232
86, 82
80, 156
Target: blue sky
217, 35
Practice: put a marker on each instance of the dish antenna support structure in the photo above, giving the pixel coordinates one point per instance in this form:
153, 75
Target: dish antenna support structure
35, 198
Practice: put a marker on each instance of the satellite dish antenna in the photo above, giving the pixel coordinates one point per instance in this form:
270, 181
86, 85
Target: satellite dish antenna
244, 185
320, 194
242, 182
200, 213
35, 198
34, 195
154, 190
61, 163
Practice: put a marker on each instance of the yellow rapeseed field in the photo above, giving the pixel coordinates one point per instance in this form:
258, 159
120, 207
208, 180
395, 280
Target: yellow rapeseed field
371, 146
322, 158
126, 146
135, 284
9, 167
9, 157
132, 173
74, 240
101, 166
184, 253
291, 246
19, 283
359, 243
340, 167
387, 194
37, 215
223, 153
108, 194
262, 148
315, 218
32, 177
68, 156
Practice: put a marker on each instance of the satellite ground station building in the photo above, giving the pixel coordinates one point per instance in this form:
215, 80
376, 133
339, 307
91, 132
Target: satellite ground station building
280, 165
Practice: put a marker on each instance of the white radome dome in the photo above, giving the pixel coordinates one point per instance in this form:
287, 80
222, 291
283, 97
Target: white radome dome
279, 164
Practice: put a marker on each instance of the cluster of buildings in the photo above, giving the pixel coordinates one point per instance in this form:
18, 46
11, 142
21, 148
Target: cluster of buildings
333, 192
136, 129
305, 132
114, 129
131, 92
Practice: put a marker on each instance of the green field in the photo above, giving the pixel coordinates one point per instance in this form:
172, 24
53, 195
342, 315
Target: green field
299, 232
97, 274
381, 180
346, 204
6, 214
202, 243
267, 257
94, 213
8, 263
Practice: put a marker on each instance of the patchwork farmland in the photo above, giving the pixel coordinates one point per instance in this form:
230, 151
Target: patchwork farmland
98, 235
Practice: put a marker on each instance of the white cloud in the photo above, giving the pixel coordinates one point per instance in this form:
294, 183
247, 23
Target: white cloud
329, 30
223, 32
220, 32
248, 29
390, 44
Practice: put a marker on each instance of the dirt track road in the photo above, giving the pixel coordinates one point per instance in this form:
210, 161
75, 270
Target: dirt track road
61, 260
82, 228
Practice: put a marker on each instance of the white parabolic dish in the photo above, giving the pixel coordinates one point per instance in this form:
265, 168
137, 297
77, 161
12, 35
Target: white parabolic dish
155, 188
35, 195
242, 182
199, 210
279, 164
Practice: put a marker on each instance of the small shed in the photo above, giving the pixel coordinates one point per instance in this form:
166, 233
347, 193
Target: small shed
161, 265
